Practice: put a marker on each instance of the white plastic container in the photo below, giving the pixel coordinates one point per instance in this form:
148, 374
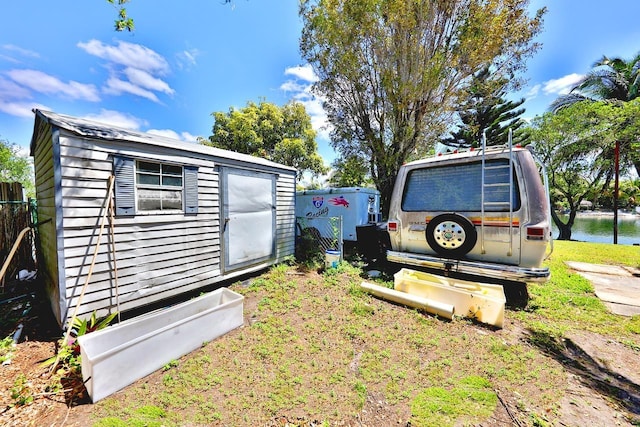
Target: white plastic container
481, 301
118, 355
331, 258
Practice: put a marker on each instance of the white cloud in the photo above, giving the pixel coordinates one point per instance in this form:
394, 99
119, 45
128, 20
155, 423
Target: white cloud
47, 84
127, 54
563, 85
144, 79
302, 72
533, 92
22, 52
115, 86
12, 90
129, 121
9, 59
187, 58
168, 133
313, 106
300, 89
134, 69
189, 137
319, 121
16, 54
118, 119
21, 109
292, 86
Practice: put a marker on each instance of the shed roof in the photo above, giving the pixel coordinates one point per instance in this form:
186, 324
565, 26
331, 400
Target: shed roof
97, 130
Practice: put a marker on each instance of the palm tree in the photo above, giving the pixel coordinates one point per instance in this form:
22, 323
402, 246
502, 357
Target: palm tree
611, 80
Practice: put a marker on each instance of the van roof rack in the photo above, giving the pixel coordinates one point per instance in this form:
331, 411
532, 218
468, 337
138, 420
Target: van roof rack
480, 150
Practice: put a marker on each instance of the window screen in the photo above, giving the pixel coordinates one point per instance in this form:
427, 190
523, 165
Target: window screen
457, 188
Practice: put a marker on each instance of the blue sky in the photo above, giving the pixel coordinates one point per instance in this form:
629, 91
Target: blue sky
187, 60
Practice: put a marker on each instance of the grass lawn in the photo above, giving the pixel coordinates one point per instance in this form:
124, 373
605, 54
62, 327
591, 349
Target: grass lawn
317, 350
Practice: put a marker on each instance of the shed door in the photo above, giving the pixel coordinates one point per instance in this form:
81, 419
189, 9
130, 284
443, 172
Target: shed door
248, 217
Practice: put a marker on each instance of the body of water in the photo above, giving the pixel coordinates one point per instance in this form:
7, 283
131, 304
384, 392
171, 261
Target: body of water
598, 228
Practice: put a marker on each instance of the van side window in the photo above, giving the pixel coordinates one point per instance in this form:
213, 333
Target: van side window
457, 188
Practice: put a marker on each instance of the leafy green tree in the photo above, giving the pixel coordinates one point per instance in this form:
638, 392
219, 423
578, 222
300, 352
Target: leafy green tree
392, 71
611, 79
485, 110
628, 195
15, 167
349, 172
576, 144
281, 134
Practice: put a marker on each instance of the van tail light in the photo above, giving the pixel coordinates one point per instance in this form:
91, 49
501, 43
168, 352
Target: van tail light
536, 233
392, 226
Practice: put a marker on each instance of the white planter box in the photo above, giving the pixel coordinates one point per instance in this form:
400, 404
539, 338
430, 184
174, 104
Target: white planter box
118, 355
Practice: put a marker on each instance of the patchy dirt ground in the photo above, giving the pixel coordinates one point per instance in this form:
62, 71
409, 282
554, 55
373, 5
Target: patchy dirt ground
602, 379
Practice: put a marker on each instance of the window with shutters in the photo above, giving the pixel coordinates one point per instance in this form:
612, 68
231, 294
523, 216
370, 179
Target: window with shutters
144, 186
158, 186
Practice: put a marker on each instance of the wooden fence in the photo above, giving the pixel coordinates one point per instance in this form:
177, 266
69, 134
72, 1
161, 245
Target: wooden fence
14, 217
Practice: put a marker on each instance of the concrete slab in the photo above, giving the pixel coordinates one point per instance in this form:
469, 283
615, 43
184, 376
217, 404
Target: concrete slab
615, 270
618, 287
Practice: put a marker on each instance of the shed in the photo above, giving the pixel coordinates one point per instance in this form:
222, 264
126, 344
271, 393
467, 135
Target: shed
187, 216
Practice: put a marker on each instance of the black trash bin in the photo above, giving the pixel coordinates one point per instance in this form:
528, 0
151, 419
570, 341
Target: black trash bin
373, 241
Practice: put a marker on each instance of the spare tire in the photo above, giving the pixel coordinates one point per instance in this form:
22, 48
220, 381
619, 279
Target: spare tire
451, 235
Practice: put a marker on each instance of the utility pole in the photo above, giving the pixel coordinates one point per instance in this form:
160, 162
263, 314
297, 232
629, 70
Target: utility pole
615, 193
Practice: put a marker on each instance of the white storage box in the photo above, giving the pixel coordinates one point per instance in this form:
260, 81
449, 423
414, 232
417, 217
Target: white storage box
118, 355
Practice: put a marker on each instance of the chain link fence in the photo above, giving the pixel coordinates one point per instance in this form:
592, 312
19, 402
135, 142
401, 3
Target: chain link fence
315, 236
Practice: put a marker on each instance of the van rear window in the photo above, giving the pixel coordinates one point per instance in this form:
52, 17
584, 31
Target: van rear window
457, 188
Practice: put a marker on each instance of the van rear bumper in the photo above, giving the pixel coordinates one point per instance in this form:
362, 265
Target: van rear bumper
497, 271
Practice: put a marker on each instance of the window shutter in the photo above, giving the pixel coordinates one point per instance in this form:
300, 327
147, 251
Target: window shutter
124, 186
190, 190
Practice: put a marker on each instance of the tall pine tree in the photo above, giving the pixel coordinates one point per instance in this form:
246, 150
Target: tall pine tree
486, 110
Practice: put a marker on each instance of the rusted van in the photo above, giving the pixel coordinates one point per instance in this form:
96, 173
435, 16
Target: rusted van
483, 212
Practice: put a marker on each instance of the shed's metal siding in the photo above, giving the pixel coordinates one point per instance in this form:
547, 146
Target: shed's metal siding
286, 215
47, 184
157, 255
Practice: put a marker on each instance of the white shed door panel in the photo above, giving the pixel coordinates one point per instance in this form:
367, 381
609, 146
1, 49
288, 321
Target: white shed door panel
249, 217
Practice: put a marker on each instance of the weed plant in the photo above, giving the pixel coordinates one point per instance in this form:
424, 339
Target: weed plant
66, 365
